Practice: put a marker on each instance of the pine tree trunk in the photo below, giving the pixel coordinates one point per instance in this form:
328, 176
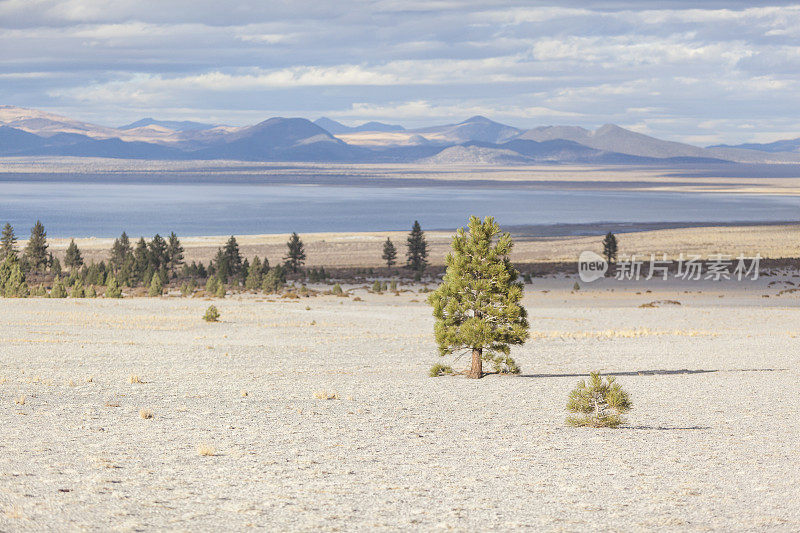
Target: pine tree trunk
476, 370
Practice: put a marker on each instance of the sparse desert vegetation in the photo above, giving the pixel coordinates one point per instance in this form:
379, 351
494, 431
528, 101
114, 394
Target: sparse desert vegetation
206, 450
713, 381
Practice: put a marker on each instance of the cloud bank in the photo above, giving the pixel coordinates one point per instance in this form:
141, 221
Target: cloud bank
724, 73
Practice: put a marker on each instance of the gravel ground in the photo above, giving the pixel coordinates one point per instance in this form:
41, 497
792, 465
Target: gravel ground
712, 443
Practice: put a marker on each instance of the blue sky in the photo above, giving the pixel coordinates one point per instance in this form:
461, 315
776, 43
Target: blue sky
724, 73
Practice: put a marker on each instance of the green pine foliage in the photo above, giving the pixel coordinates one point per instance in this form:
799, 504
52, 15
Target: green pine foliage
478, 305
77, 290
174, 253
337, 290
254, 275
156, 286
220, 291
187, 289
212, 314
377, 286
274, 280
91, 292
389, 253
55, 267
440, 370
39, 291
296, 255
36, 250
141, 262
8, 242
113, 290
121, 252
211, 286
73, 258
12, 278
610, 248
600, 402
58, 290
417, 253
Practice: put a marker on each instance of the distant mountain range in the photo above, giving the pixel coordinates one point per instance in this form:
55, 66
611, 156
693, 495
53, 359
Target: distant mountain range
477, 140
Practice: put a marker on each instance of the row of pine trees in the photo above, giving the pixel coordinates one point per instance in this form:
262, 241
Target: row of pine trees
154, 264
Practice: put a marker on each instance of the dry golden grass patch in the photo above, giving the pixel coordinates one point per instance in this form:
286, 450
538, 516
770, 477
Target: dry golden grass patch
326, 395
134, 379
206, 450
146, 414
13, 512
20, 400
618, 334
244, 394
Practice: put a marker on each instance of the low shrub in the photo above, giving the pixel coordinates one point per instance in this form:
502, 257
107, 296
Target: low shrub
599, 403
440, 370
212, 314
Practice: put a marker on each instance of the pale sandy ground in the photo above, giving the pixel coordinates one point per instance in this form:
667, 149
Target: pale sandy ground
711, 450
365, 249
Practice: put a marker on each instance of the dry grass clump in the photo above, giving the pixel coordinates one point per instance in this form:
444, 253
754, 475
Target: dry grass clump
20, 400
133, 379
618, 334
146, 414
325, 395
13, 512
206, 450
659, 303
244, 394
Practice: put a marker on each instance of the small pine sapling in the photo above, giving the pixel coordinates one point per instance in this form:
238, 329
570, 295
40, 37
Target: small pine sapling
212, 314
600, 403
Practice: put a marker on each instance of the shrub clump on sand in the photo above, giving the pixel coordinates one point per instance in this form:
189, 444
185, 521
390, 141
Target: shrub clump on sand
212, 314
599, 403
440, 370
337, 290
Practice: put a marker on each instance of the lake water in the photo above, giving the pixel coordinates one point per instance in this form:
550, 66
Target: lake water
106, 209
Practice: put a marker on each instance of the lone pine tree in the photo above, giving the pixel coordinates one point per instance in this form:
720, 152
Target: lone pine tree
610, 246
174, 253
120, 251
73, 258
477, 306
36, 251
417, 254
296, 255
8, 242
389, 253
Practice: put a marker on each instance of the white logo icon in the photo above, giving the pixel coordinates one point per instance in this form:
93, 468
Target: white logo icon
591, 266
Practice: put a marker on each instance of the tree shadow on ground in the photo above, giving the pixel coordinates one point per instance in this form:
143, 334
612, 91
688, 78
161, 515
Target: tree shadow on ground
666, 428
651, 373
